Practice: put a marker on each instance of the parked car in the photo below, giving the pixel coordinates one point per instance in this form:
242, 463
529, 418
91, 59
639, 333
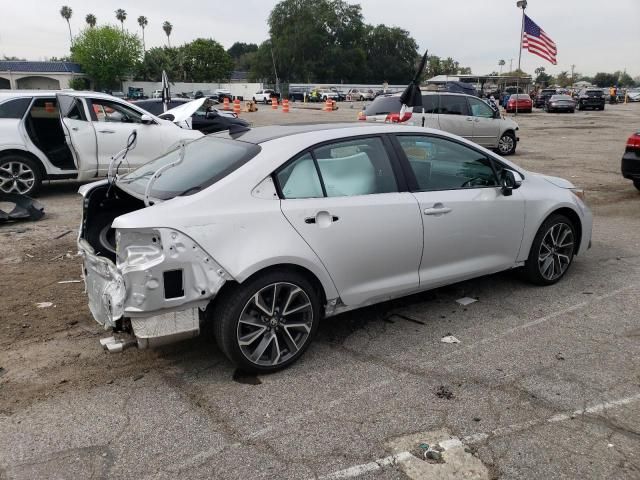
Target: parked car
264, 237
461, 114
560, 103
631, 160
542, 97
223, 93
322, 94
298, 94
69, 134
265, 96
361, 94
206, 119
591, 98
340, 96
633, 95
519, 102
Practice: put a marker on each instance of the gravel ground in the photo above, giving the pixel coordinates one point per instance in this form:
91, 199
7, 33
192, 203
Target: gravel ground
545, 381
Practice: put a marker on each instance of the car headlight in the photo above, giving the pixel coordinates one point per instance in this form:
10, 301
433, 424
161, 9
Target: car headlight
580, 193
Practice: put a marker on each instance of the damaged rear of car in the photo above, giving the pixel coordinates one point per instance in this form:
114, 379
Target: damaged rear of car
143, 273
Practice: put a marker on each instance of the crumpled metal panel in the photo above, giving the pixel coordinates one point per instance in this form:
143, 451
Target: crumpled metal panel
104, 286
25, 208
166, 328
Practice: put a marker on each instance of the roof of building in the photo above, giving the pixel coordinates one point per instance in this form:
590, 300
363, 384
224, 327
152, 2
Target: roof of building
39, 67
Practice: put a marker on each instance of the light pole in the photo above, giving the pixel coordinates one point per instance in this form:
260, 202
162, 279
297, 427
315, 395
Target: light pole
523, 5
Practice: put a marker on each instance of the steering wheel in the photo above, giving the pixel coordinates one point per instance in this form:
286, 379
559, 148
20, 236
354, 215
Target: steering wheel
470, 183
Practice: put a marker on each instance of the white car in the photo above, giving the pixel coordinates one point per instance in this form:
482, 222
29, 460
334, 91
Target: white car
69, 134
361, 94
265, 231
264, 96
460, 114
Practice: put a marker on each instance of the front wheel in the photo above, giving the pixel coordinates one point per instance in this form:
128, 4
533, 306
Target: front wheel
507, 144
268, 322
19, 174
552, 251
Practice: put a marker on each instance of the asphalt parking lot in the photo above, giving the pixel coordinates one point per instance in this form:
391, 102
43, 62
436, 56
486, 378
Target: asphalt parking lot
545, 382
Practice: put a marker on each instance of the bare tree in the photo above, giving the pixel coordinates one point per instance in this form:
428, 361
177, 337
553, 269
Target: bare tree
66, 13
168, 28
121, 15
143, 22
91, 20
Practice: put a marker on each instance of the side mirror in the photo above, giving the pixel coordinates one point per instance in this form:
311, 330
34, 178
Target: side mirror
509, 181
146, 119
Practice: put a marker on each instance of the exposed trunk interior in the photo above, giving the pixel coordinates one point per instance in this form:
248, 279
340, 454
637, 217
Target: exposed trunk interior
45, 131
102, 205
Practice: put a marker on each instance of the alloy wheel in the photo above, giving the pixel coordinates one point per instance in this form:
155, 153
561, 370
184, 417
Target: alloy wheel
505, 145
16, 177
556, 251
275, 324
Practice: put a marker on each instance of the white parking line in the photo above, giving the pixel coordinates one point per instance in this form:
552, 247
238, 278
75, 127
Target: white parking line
517, 427
540, 320
358, 470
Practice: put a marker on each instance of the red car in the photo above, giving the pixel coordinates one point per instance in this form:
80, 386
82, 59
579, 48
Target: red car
522, 101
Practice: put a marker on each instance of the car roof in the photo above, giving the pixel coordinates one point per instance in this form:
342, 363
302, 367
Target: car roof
52, 93
265, 134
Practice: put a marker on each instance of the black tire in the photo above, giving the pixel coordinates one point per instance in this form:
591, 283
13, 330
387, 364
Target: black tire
361, 98
30, 179
507, 144
228, 310
532, 268
100, 235
636, 183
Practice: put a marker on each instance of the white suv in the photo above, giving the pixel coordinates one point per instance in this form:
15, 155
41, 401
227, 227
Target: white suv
464, 115
69, 134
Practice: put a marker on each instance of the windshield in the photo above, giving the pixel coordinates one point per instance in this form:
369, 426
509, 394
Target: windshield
206, 161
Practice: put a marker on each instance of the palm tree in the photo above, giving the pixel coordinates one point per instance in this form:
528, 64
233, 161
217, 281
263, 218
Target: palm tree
121, 15
143, 22
168, 28
66, 13
501, 63
91, 20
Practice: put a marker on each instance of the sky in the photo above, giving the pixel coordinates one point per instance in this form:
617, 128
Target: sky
593, 35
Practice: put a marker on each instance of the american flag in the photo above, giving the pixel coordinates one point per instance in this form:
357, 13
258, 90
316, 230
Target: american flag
538, 42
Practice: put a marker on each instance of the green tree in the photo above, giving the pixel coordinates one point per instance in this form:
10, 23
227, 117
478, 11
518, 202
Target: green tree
91, 20
501, 63
66, 12
205, 60
121, 15
391, 55
156, 60
239, 49
106, 54
143, 22
563, 79
168, 28
604, 80
625, 80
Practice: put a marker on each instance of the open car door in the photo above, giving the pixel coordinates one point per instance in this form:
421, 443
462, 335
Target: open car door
181, 115
79, 134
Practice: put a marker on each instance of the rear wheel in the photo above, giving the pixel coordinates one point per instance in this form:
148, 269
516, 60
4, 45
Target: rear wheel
20, 174
552, 251
267, 323
507, 144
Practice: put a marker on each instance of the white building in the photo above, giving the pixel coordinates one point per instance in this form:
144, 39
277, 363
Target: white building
25, 75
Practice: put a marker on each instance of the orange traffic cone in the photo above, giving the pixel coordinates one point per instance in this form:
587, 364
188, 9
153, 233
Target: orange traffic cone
328, 106
285, 106
226, 104
236, 106
274, 103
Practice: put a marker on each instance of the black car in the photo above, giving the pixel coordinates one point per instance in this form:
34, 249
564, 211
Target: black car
543, 96
591, 98
298, 94
631, 160
206, 120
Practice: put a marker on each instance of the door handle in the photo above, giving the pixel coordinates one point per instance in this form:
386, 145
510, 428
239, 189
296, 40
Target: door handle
323, 215
75, 129
106, 131
437, 209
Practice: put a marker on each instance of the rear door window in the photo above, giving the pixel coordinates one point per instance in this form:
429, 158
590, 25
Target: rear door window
480, 108
453, 105
383, 106
429, 103
14, 108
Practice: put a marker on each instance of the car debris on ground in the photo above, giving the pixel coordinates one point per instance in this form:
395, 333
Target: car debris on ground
24, 208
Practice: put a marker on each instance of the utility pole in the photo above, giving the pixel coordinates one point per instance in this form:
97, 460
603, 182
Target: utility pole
511, 65
523, 5
573, 80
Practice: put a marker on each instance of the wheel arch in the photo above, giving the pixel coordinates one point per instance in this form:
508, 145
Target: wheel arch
568, 212
26, 153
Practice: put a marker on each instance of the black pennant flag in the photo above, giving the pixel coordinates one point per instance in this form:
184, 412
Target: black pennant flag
412, 97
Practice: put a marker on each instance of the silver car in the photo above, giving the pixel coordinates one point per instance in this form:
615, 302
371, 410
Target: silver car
464, 115
265, 231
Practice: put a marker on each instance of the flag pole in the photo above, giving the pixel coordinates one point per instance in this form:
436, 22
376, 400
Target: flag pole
520, 4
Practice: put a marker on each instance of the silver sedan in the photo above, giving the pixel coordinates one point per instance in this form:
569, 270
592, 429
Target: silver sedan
265, 231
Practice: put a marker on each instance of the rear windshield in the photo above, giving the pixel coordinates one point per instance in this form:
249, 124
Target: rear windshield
206, 161
383, 106
522, 96
594, 93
